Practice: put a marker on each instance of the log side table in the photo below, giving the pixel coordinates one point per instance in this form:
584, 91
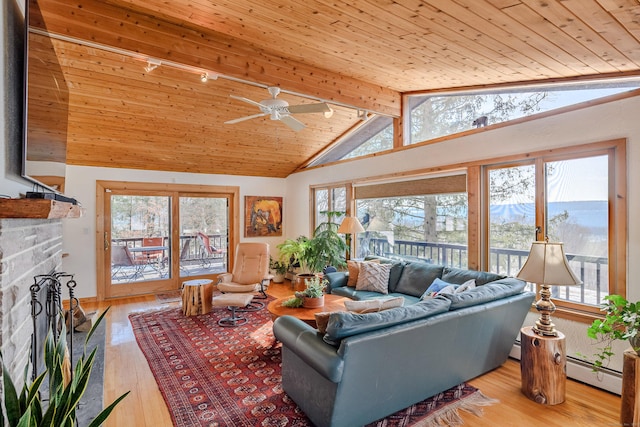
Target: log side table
630, 408
543, 367
197, 296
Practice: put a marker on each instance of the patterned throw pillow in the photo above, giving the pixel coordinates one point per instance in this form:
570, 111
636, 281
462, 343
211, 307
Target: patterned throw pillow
354, 270
469, 284
373, 277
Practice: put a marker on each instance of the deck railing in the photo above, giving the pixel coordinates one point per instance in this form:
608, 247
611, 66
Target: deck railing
193, 252
593, 271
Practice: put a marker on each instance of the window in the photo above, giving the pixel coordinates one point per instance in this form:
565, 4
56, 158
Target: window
374, 135
330, 198
433, 116
423, 219
576, 192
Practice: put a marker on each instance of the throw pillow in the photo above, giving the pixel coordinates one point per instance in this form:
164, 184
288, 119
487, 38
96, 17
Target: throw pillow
322, 320
373, 277
436, 286
363, 306
388, 303
354, 270
469, 284
451, 289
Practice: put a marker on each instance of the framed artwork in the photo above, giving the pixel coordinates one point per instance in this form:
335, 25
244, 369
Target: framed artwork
262, 216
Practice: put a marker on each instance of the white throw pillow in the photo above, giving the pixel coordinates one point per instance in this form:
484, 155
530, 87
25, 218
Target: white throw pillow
373, 277
363, 306
469, 284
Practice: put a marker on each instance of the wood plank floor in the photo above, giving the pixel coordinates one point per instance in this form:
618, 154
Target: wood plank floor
126, 369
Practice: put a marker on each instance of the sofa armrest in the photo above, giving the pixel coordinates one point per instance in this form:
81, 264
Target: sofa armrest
306, 343
337, 279
224, 277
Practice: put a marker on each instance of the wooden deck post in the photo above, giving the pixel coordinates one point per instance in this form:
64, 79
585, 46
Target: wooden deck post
542, 367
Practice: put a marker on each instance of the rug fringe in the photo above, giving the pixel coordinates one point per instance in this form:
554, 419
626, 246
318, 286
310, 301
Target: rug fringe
449, 415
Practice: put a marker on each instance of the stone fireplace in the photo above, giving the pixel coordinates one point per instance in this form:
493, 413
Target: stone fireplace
28, 247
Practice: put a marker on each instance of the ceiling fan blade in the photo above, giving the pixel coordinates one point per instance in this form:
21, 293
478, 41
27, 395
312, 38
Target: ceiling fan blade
247, 100
242, 119
294, 124
321, 107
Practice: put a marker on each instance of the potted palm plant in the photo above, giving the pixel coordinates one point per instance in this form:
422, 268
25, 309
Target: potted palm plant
621, 322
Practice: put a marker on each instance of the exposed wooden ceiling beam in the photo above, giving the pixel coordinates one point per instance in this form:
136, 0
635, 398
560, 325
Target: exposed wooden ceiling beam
134, 31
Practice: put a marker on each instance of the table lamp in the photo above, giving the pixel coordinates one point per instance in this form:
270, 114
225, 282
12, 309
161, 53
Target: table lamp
350, 225
547, 266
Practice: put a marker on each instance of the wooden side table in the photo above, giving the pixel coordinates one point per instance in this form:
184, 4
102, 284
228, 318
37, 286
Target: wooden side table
196, 296
630, 407
543, 367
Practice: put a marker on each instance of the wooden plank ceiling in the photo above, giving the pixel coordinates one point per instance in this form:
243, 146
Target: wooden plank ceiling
355, 54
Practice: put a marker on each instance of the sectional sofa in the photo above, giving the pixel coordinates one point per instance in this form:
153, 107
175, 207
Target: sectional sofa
367, 366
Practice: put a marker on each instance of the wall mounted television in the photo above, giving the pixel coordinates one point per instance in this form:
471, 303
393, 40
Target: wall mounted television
46, 107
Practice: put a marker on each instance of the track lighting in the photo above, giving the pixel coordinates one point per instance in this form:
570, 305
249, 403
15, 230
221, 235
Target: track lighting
204, 77
363, 115
328, 114
152, 64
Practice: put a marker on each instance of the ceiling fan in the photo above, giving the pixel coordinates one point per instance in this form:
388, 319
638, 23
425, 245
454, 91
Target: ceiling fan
279, 109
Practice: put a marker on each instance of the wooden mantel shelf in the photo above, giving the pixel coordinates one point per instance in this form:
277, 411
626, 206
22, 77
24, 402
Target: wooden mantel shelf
38, 209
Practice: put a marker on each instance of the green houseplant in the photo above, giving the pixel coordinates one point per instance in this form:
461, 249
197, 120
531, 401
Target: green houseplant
279, 269
621, 322
312, 296
26, 409
326, 247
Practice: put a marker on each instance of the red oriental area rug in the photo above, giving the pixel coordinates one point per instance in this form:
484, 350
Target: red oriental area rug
214, 376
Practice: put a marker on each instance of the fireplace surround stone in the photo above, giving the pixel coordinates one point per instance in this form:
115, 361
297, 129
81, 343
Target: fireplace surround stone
28, 247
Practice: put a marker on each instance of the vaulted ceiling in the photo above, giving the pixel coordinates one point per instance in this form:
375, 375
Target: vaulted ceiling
353, 54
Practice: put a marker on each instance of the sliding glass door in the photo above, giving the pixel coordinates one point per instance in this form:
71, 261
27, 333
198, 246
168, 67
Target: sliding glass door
154, 239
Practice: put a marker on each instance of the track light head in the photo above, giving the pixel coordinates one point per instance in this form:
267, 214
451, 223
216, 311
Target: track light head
152, 64
204, 77
328, 114
363, 115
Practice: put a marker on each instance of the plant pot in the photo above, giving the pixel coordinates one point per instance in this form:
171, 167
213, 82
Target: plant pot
313, 302
635, 343
299, 283
278, 278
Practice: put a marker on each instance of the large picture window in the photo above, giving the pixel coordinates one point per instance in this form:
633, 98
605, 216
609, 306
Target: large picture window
567, 197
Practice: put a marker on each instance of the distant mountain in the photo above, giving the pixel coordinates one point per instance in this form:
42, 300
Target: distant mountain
591, 214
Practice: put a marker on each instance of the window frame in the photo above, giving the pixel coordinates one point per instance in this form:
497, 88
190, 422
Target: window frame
478, 214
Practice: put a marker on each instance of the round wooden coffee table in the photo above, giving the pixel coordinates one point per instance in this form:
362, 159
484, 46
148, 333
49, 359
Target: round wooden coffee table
331, 303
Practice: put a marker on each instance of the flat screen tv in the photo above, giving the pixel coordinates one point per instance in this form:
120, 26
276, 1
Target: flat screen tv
46, 105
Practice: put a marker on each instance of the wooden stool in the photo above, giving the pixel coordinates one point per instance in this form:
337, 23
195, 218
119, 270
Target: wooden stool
232, 302
630, 408
196, 296
543, 367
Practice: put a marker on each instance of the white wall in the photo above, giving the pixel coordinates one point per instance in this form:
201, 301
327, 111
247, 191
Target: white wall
599, 123
80, 234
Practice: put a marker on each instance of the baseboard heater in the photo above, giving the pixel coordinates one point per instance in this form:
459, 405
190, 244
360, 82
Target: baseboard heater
580, 370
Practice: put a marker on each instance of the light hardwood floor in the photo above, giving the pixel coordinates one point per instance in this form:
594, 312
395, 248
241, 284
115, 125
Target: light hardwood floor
126, 369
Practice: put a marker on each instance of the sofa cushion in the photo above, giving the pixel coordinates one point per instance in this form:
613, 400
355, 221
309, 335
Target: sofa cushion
417, 277
459, 276
491, 291
435, 287
394, 275
373, 277
343, 324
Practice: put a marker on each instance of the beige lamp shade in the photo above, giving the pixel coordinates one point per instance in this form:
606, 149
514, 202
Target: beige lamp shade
547, 264
350, 225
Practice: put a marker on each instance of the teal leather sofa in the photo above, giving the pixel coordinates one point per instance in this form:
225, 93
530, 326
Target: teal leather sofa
368, 366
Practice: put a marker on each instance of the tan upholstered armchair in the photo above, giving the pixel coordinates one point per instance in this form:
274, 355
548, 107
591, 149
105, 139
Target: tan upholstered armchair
250, 272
